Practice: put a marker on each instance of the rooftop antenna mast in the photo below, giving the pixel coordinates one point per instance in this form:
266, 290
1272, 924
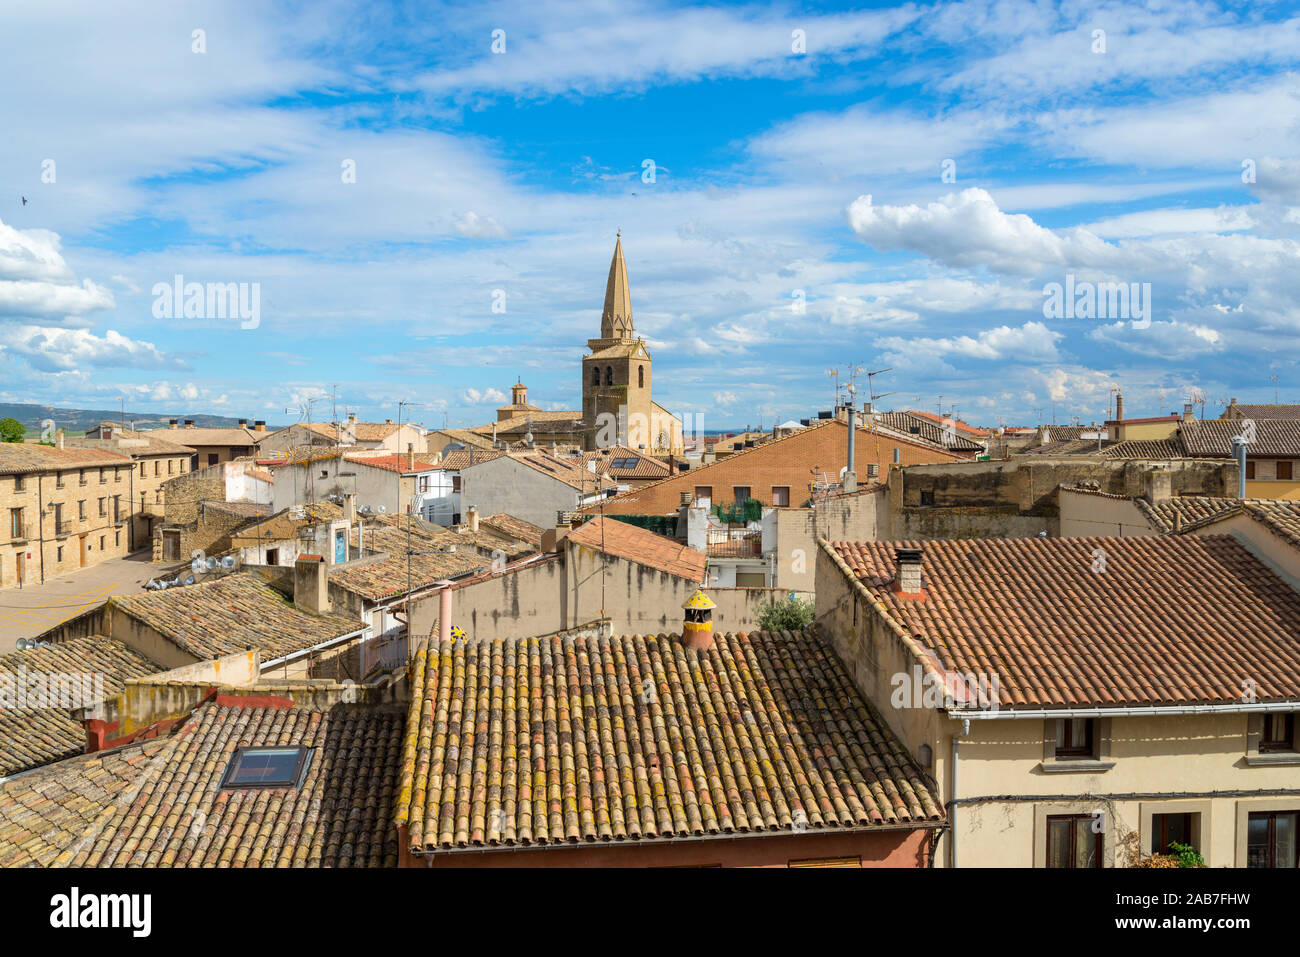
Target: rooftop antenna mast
873, 395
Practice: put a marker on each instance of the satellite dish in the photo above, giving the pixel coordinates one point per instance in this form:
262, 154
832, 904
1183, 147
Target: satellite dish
190, 580
211, 563
528, 437
23, 644
228, 561
382, 509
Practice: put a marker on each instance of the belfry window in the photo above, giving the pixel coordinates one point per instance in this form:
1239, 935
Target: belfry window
595, 376
640, 376
609, 375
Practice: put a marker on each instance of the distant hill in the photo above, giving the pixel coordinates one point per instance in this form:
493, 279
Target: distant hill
75, 421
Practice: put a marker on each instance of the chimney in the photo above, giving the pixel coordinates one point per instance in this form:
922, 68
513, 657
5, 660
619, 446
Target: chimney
1187, 412
1159, 486
243, 423
352, 418
172, 423
472, 514
1044, 435
388, 421
1119, 407
1178, 522
58, 438
552, 537
311, 591
410, 457
697, 623
259, 425
850, 483
189, 423
908, 579
350, 507
444, 611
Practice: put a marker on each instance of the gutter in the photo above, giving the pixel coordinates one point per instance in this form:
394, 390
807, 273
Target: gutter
329, 643
664, 841
1150, 711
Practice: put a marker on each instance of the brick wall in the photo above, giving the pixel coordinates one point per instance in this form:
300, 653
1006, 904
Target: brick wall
792, 462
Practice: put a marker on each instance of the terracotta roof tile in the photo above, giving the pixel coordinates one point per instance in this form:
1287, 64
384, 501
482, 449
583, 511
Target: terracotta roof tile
565, 739
1172, 620
31, 736
514, 527
28, 457
232, 614
160, 804
642, 546
1213, 437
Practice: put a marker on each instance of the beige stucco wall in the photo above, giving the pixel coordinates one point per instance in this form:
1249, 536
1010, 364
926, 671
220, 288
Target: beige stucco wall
1095, 516
1281, 555
1163, 764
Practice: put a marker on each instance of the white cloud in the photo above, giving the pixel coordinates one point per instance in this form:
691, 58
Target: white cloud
473, 226
1031, 341
477, 397
54, 349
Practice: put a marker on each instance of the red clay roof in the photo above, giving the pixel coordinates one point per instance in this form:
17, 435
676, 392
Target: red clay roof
641, 546
393, 463
1171, 620
564, 739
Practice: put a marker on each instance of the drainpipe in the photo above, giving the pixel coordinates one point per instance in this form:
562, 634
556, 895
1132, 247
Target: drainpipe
1239, 453
952, 805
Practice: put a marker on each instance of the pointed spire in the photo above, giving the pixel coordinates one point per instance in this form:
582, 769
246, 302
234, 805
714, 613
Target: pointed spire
616, 318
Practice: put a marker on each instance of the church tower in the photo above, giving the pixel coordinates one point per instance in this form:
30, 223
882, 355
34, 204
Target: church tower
616, 404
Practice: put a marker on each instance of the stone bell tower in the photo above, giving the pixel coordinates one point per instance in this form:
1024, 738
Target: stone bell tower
616, 405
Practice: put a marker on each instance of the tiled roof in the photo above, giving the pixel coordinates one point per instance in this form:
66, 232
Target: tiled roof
160, 804
923, 426
570, 472
285, 523
393, 463
1173, 619
564, 739
546, 422
1213, 437
514, 527
29, 457
242, 509
50, 810
1282, 516
1188, 508
643, 467
31, 736
1145, 449
461, 458
361, 431
232, 614
966, 427
640, 545
195, 436
1265, 411
1064, 447
395, 536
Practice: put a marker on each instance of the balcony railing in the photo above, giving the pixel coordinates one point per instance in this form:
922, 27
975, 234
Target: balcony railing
725, 543
63, 527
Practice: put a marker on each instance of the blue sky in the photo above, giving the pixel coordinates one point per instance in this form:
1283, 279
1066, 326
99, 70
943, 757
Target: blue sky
799, 218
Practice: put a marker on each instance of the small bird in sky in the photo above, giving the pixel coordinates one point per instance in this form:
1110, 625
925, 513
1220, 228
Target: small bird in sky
24, 200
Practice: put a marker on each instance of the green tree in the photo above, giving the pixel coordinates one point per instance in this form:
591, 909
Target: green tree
11, 430
792, 614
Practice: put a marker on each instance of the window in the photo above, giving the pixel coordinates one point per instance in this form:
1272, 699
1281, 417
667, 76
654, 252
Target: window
171, 466
117, 539
157, 467
1250, 469
781, 495
58, 554
15, 523
18, 483
640, 376
1271, 839
1074, 840
927, 496
117, 475
81, 509
455, 483
595, 375
101, 543
1279, 733
1284, 469
212, 458
1074, 737
103, 507
273, 556
117, 508
609, 375
873, 471
58, 518
704, 491
267, 768
81, 476
143, 465
103, 477
1170, 829
742, 493
58, 482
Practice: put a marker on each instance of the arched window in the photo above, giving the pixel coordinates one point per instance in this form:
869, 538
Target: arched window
640, 376
609, 375
595, 375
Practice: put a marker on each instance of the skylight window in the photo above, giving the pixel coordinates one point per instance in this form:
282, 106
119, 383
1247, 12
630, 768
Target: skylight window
267, 768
